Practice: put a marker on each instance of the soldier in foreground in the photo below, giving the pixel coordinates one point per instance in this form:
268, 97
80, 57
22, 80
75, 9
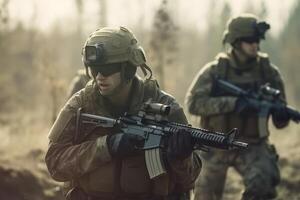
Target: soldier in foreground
243, 66
105, 164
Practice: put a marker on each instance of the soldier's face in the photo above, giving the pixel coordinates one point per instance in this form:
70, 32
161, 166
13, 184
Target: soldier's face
250, 49
108, 84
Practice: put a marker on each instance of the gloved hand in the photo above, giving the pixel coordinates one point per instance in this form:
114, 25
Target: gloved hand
122, 145
280, 114
243, 106
180, 146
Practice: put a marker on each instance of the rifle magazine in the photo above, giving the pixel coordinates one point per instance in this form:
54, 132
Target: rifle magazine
154, 163
263, 127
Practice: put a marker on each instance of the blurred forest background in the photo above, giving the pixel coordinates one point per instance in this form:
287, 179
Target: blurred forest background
38, 62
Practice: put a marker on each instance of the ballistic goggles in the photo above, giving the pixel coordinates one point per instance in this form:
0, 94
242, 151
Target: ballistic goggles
106, 70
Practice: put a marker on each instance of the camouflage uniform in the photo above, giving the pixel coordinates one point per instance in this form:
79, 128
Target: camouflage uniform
78, 82
258, 164
89, 165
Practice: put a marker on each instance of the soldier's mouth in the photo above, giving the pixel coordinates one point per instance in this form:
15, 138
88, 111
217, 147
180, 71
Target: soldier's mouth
103, 86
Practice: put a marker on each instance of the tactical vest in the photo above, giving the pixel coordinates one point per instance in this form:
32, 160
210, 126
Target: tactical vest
122, 175
249, 79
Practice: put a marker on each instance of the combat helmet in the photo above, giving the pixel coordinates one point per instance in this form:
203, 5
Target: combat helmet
244, 26
112, 45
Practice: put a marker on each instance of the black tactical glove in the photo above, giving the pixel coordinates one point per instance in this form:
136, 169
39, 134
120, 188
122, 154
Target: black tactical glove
180, 146
123, 145
280, 114
244, 106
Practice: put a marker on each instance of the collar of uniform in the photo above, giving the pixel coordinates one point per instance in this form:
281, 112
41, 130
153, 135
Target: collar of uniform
234, 63
135, 102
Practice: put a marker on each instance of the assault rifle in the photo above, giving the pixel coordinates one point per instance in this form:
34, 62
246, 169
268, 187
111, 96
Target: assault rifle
265, 100
150, 123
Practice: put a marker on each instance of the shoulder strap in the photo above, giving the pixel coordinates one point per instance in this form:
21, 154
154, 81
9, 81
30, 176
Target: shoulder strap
264, 65
222, 66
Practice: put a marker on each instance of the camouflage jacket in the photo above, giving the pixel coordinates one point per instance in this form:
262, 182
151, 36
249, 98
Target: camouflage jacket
218, 111
89, 163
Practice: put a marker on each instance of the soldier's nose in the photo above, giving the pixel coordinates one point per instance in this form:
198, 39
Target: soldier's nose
100, 76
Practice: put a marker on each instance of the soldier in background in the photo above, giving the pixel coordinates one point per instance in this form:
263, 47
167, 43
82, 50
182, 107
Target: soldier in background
246, 67
103, 163
78, 82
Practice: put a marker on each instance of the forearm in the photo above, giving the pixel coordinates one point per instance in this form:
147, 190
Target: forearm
276, 82
186, 172
66, 161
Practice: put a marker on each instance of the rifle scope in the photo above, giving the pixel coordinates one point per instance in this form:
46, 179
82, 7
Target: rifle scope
157, 108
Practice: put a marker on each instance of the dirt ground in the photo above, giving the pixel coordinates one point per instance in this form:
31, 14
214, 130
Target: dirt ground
26, 178
23, 174
287, 143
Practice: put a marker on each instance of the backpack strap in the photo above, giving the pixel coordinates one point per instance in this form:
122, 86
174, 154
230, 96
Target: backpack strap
264, 63
222, 66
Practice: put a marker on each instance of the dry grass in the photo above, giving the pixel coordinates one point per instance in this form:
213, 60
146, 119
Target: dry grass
24, 133
22, 149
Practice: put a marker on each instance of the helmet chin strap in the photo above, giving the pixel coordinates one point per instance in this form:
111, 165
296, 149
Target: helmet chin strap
124, 79
87, 70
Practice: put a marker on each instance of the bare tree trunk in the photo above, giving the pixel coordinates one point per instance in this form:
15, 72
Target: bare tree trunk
79, 6
163, 42
103, 12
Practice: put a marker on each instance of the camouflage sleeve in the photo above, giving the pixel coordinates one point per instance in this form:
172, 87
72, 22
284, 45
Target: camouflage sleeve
185, 173
276, 81
67, 161
199, 100
75, 86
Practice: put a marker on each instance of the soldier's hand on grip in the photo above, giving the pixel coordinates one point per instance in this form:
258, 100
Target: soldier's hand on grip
280, 114
123, 145
180, 146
